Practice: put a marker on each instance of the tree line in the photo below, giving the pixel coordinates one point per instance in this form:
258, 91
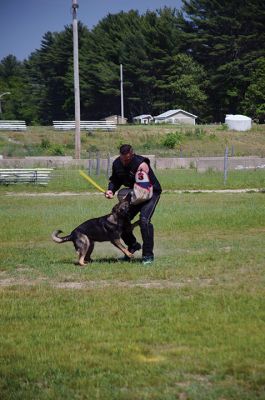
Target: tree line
207, 58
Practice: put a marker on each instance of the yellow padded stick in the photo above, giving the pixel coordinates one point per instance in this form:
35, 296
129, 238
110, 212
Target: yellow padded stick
90, 180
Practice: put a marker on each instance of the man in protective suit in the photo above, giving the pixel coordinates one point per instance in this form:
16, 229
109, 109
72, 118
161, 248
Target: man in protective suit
124, 172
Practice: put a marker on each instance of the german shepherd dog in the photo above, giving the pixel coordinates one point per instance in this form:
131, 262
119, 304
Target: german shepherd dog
106, 228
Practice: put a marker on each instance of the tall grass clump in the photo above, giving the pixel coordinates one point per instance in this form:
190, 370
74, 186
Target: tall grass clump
196, 133
173, 139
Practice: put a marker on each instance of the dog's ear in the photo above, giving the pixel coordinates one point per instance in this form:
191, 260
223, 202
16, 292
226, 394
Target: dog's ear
127, 197
122, 194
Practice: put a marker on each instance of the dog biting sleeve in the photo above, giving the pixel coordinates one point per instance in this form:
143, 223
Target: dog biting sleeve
142, 189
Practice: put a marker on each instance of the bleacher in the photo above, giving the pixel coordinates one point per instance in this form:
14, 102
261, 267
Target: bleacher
85, 125
40, 176
13, 125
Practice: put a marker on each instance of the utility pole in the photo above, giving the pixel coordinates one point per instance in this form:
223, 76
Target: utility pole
2, 95
122, 106
76, 81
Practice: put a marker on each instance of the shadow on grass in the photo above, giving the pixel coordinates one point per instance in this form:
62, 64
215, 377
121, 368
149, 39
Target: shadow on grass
103, 260
116, 260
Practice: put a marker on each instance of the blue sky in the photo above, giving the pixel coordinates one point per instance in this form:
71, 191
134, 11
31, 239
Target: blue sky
24, 22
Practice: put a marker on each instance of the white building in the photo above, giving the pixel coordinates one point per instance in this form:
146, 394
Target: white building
143, 119
176, 117
238, 122
117, 119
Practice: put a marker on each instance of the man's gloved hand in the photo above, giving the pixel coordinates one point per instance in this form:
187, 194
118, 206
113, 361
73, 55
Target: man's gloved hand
109, 194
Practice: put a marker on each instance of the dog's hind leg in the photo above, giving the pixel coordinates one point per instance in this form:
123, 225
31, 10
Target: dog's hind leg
82, 245
120, 246
89, 251
136, 223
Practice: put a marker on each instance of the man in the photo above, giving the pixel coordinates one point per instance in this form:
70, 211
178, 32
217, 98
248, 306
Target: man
124, 170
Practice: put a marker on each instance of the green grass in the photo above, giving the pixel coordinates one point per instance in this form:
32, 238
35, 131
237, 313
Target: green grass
190, 327
198, 141
178, 179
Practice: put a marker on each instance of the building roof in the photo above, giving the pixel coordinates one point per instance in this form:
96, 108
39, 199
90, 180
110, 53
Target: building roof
143, 116
237, 117
170, 113
115, 115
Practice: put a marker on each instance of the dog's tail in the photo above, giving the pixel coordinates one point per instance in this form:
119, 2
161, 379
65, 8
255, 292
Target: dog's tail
62, 239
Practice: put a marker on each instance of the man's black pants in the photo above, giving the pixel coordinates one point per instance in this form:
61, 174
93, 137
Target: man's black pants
146, 211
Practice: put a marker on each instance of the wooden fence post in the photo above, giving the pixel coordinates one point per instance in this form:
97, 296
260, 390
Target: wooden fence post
225, 164
89, 164
180, 151
98, 165
108, 166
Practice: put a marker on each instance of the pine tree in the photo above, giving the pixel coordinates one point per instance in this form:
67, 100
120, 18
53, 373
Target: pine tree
183, 85
254, 100
104, 51
13, 80
226, 37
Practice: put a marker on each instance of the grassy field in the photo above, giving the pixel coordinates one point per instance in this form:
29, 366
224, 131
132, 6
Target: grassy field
192, 326
189, 141
189, 327
179, 179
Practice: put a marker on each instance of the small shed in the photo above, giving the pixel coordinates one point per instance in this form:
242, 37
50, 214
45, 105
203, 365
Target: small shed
143, 119
176, 117
238, 122
117, 119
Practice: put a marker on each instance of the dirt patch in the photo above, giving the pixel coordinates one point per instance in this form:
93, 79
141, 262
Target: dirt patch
101, 284
52, 194
21, 277
163, 284
61, 194
6, 282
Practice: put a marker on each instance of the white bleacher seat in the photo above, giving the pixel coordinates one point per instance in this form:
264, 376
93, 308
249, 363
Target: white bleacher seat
85, 125
13, 125
38, 176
